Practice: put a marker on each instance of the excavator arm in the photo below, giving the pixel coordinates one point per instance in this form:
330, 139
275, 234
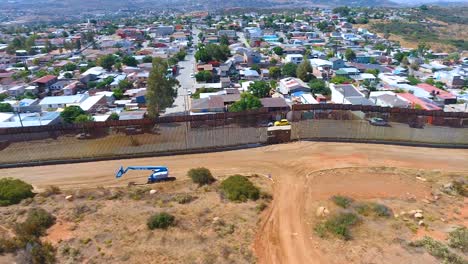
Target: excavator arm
157, 170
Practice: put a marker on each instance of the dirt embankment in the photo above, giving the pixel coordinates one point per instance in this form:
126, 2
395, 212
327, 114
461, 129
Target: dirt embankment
304, 176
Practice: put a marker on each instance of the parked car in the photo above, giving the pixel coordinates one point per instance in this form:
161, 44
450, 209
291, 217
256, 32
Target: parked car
377, 121
192, 75
282, 122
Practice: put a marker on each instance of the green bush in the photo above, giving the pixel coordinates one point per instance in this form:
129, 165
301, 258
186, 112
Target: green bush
12, 191
161, 221
36, 223
342, 201
438, 250
338, 225
459, 239
239, 188
42, 253
201, 176
375, 209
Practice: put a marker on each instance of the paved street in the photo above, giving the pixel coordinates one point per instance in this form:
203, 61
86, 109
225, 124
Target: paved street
187, 67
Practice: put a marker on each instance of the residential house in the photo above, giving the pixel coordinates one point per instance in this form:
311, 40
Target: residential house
419, 103
45, 82
211, 104
388, 99
348, 94
59, 85
275, 104
294, 58
437, 94
291, 85
337, 63
54, 102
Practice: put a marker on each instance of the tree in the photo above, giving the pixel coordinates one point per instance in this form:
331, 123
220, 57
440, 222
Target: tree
68, 75
304, 70
125, 85
340, 80
224, 40
130, 61
118, 93
107, 61
319, 87
278, 51
204, 76
83, 118
161, 90
181, 55
275, 72
5, 107
114, 116
3, 96
202, 55
147, 59
260, 89
70, 113
69, 67
350, 55
247, 102
413, 80
289, 69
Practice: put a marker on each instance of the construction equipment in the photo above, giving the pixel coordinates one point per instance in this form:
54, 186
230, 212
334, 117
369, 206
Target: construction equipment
159, 174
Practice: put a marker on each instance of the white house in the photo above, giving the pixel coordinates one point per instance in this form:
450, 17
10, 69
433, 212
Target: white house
292, 85
348, 94
54, 102
294, 58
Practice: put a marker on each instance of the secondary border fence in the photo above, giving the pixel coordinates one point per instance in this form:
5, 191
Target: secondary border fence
200, 133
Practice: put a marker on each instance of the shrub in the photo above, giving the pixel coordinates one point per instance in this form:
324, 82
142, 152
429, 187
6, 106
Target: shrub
42, 253
12, 191
438, 250
338, 225
460, 188
375, 209
261, 206
36, 223
7, 245
161, 221
239, 188
201, 176
459, 239
342, 201
51, 190
184, 198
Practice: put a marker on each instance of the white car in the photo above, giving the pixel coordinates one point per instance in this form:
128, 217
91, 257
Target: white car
189, 93
192, 75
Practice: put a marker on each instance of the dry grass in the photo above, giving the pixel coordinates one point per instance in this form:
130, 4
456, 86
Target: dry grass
109, 225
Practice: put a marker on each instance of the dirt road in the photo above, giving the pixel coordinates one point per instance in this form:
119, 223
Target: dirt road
284, 234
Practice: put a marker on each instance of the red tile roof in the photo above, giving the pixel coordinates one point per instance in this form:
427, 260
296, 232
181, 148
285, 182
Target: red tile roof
414, 100
45, 79
439, 92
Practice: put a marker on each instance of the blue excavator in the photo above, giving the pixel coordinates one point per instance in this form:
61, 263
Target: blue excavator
159, 174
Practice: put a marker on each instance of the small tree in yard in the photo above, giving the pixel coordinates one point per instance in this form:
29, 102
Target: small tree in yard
239, 188
201, 176
70, 113
12, 191
260, 89
160, 221
248, 101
